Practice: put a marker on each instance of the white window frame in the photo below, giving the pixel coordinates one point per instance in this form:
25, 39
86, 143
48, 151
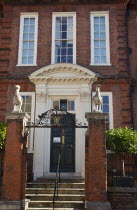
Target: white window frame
22, 17
63, 14
106, 15
109, 94
71, 111
32, 94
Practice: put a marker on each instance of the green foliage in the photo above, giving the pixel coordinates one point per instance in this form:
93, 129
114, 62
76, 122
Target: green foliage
3, 129
122, 140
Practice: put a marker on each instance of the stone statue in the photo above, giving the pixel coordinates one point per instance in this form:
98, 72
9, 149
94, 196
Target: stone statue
97, 100
17, 100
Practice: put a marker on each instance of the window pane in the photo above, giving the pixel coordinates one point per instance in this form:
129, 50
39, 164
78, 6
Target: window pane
63, 59
102, 19
71, 105
31, 52
24, 60
26, 28
105, 99
25, 36
55, 104
102, 35
105, 108
64, 27
63, 105
28, 108
102, 27
102, 51
70, 51
26, 20
25, 45
96, 51
70, 28
31, 45
97, 59
32, 28
64, 35
25, 52
31, 36
103, 59
64, 43
57, 59
69, 59
28, 99
96, 35
96, 43
63, 51
58, 35
96, 27
64, 20
58, 28
30, 60
32, 21
102, 43
96, 19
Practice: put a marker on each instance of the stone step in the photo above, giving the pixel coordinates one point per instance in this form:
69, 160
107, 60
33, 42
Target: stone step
63, 180
58, 204
55, 208
60, 185
51, 191
49, 197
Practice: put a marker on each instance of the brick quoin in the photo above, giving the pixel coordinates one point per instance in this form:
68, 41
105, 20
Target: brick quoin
14, 178
96, 161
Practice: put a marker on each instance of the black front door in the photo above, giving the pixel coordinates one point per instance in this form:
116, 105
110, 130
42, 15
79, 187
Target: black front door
63, 139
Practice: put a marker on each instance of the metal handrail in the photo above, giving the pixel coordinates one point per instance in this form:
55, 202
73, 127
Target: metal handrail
57, 180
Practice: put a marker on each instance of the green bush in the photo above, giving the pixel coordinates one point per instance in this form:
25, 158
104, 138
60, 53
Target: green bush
3, 129
121, 140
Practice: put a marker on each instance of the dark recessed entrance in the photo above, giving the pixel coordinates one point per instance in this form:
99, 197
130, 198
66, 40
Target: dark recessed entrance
63, 140
63, 125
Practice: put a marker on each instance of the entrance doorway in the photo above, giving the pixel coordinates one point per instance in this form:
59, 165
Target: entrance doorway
63, 142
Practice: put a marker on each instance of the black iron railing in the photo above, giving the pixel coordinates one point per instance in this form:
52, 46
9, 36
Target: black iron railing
122, 170
57, 180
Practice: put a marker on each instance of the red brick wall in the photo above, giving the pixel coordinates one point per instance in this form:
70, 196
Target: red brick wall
123, 198
118, 50
118, 41
132, 40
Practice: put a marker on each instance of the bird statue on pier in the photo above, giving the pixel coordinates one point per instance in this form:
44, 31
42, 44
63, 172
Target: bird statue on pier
97, 100
17, 100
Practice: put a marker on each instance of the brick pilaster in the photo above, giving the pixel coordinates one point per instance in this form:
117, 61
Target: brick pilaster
14, 179
95, 165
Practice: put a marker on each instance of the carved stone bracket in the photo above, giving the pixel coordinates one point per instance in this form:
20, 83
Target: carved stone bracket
85, 96
41, 96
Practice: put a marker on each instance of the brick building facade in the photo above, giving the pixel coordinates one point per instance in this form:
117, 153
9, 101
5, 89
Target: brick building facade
99, 42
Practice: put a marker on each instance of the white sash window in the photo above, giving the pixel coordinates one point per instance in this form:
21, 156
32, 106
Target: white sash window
28, 39
64, 38
100, 49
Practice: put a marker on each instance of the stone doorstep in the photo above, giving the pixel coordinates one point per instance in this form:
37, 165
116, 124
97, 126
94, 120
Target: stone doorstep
54, 208
11, 205
97, 205
72, 184
58, 204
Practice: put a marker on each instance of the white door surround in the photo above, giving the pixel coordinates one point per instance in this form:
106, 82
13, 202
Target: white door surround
54, 82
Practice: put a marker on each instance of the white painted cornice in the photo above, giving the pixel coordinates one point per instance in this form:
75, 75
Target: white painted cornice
63, 73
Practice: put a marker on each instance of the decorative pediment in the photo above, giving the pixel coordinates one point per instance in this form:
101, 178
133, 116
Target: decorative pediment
62, 72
